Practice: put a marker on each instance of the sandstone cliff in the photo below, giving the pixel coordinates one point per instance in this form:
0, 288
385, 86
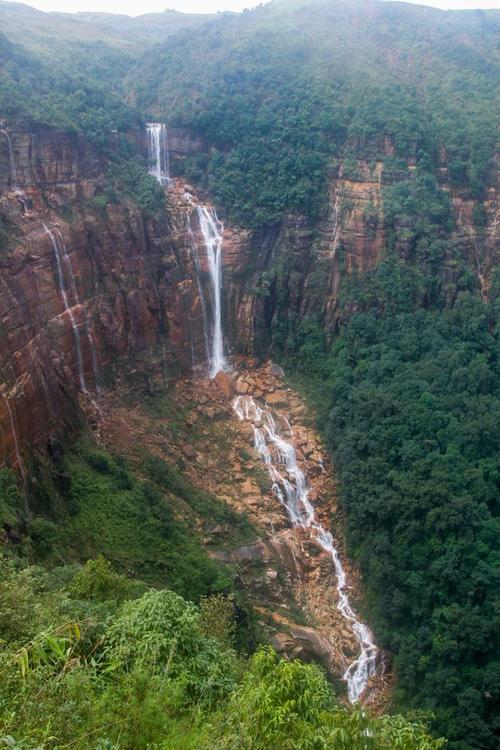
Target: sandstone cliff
135, 291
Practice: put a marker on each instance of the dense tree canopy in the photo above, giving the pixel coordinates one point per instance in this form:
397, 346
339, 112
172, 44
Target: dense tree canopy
410, 407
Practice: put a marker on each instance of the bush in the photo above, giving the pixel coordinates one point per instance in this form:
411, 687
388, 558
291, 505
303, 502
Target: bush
161, 632
98, 581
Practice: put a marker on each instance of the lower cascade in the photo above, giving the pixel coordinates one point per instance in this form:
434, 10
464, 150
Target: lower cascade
290, 486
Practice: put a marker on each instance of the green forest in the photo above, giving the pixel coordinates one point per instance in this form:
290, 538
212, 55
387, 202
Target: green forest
409, 404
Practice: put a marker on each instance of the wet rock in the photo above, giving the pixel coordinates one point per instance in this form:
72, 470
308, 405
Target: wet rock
225, 384
241, 387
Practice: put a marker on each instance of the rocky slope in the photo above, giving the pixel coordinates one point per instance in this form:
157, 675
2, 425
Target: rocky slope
289, 579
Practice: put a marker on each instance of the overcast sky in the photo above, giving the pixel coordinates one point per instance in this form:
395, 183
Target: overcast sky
136, 7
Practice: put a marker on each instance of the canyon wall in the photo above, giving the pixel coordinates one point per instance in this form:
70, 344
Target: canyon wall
309, 259
135, 296
132, 291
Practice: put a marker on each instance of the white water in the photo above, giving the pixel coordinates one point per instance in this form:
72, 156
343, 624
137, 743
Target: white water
212, 229
158, 152
197, 268
290, 487
212, 232
63, 262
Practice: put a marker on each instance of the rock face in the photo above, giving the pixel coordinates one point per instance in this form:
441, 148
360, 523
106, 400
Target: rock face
350, 236
120, 293
140, 296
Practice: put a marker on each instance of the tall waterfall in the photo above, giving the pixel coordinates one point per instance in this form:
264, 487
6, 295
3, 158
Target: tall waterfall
63, 263
290, 487
212, 233
212, 229
158, 152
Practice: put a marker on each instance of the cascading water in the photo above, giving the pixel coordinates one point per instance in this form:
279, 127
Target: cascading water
290, 487
158, 152
212, 229
63, 262
212, 232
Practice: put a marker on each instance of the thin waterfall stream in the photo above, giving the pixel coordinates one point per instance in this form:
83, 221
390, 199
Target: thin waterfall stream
289, 485
15, 437
211, 230
63, 262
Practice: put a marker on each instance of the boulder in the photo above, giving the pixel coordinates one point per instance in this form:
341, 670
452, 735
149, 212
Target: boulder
225, 383
241, 387
275, 371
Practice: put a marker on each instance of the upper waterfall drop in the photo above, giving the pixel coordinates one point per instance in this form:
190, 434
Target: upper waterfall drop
158, 152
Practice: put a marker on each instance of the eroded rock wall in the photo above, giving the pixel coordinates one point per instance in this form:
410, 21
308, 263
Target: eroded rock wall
138, 290
132, 290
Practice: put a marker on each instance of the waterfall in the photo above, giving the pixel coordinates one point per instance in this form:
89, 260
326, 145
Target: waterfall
290, 487
12, 163
212, 230
158, 152
203, 304
212, 233
63, 262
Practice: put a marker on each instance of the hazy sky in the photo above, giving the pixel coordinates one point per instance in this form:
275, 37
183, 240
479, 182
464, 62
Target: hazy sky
136, 7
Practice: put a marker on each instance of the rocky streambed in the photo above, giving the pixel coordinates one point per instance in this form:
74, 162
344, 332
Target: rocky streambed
286, 572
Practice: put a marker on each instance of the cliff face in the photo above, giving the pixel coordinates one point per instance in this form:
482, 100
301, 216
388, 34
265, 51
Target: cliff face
310, 260
137, 289
84, 291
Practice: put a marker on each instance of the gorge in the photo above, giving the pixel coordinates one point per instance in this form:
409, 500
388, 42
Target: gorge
249, 379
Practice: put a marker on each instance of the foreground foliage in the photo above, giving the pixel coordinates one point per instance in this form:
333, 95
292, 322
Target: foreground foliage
145, 673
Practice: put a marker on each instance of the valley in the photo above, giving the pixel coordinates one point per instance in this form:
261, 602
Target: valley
249, 379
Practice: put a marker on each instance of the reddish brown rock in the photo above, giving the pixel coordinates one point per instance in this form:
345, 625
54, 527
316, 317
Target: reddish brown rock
225, 383
277, 398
